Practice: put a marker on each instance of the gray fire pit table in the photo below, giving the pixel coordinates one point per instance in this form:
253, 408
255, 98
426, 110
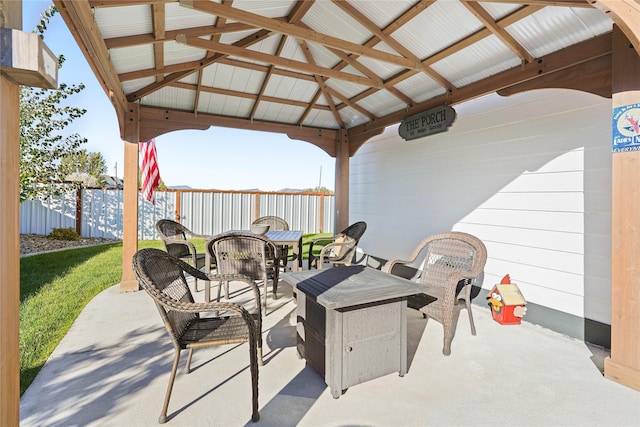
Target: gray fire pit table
352, 323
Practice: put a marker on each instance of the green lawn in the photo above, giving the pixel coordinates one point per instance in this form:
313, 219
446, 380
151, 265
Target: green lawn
56, 286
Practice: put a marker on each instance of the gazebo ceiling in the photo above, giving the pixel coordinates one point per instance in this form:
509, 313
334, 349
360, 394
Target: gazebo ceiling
313, 68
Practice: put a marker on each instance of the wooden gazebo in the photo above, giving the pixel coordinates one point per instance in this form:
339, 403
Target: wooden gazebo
334, 74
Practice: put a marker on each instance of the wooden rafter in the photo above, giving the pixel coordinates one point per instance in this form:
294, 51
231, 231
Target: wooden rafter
320, 80
297, 32
207, 30
276, 60
487, 20
158, 19
254, 38
389, 40
298, 12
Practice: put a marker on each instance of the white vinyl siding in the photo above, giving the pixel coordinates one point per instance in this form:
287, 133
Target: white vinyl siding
529, 174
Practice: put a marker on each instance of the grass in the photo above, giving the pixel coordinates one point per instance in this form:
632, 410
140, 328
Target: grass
55, 287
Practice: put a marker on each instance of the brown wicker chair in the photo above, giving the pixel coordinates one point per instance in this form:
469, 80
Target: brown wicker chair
162, 276
452, 263
277, 223
174, 236
338, 249
249, 254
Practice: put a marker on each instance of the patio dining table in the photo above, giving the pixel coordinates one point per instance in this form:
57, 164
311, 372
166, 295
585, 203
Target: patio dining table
291, 238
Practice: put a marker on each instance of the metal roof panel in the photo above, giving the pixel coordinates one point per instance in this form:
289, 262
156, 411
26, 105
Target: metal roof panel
289, 88
123, 21
271, 111
132, 58
171, 97
232, 106
554, 28
178, 17
482, 59
327, 18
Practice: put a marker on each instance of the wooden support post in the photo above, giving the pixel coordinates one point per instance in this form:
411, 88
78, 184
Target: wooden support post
10, 17
9, 253
342, 182
130, 221
624, 364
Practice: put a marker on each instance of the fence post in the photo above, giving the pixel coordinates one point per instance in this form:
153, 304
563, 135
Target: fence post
256, 213
79, 209
321, 213
178, 205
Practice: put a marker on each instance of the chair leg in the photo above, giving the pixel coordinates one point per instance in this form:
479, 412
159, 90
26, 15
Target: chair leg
187, 369
448, 336
274, 285
253, 365
163, 415
220, 285
466, 295
473, 326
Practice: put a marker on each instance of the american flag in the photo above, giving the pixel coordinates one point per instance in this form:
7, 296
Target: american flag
150, 173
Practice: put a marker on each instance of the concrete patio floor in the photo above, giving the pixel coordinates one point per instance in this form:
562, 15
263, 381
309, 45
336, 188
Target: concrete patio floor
113, 366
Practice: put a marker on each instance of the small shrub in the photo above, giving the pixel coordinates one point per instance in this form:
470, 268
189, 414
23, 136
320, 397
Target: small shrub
63, 234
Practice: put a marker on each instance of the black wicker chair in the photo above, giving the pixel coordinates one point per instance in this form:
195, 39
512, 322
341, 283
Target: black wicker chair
276, 223
174, 236
162, 276
249, 254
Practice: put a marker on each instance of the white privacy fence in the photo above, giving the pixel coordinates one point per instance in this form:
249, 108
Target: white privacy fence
99, 212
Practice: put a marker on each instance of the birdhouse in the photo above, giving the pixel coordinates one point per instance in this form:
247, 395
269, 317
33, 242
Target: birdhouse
507, 303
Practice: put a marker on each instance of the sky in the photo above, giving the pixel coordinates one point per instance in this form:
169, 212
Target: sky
218, 158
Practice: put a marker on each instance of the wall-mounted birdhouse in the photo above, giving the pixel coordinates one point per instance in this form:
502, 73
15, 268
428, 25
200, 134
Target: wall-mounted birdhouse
507, 303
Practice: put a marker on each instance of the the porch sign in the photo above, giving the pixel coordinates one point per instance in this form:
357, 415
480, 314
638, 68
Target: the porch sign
427, 123
626, 128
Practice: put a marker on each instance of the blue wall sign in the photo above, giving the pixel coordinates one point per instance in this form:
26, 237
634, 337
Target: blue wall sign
626, 129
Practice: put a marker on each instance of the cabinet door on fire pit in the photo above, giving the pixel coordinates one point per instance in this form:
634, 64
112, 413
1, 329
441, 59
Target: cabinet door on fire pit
373, 342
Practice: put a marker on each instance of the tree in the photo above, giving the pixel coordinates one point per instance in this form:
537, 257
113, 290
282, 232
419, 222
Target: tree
319, 189
43, 116
89, 168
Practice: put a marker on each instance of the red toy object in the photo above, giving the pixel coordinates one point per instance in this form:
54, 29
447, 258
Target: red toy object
507, 303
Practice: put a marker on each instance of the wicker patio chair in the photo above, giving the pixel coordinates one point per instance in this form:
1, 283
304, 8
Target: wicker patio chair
337, 250
174, 236
277, 223
249, 254
452, 263
162, 276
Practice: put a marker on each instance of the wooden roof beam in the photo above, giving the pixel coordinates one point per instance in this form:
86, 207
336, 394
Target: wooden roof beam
296, 31
253, 38
275, 60
390, 41
158, 121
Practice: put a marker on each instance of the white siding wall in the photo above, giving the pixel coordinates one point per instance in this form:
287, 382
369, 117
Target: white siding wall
530, 175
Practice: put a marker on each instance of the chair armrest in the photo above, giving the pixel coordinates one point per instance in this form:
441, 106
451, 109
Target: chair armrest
198, 236
327, 248
388, 266
208, 277
170, 241
319, 240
